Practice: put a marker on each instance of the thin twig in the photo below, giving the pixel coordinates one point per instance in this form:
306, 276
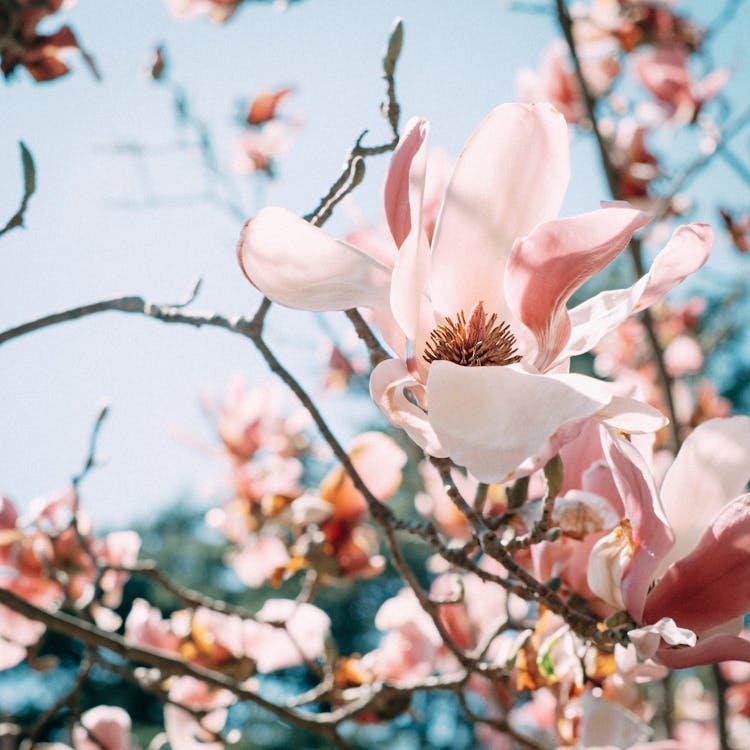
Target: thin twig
65, 700
29, 186
90, 461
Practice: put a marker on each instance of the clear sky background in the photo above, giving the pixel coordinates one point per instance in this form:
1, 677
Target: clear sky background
92, 235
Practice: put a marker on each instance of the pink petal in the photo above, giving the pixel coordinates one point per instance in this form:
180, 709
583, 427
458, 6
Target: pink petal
580, 454
11, 654
404, 193
711, 469
546, 267
109, 727
183, 730
510, 176
17, 628
651, 534
379, 461
712, 650
399, 183
302, 635
598, 480
710, 586
258, 560
389, 382
144, 626
489, 419
686, 251
298, 265
8, 514
683, 356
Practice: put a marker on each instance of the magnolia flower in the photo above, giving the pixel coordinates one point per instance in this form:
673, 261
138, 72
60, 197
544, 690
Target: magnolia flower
663, 70
679, 563
477, 317
557, 82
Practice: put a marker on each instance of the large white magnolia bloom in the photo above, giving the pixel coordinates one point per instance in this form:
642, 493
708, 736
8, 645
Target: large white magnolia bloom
476, 314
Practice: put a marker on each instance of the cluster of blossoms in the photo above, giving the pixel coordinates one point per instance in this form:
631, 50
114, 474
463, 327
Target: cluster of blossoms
51, 559
659, 45
277, 525
266, 136
283, 634
21, 43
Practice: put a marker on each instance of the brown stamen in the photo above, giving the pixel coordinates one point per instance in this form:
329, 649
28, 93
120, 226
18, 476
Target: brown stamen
474, 344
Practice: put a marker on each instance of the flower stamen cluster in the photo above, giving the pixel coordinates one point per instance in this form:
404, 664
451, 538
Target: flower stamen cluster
478, 343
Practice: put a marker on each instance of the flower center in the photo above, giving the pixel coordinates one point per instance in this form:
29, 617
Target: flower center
474, 344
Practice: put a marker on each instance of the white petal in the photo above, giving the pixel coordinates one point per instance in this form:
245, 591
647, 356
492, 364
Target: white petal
490, 419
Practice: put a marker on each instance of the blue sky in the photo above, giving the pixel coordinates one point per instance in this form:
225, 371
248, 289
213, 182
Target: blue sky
89, 237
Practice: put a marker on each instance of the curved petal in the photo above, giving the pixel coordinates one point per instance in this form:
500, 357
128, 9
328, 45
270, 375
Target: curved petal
489, 419
405, 180
608, 724
650, 537
593, 319
379, 462
511, 175
404, 194
711, 469
712, 584
712, 650
631, 416
580, 454
686, 251
300, 266
547, 266
388, 385
597, 479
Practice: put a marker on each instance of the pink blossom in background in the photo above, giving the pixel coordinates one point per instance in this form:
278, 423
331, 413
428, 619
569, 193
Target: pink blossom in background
218, 11
103, 728
663, 70
264, 105
634, 23
379, 462
258, 150
408, 651
557, 83
279, 527
185, 732
52, 554
496, 251
636, 165
283, 634
17, 633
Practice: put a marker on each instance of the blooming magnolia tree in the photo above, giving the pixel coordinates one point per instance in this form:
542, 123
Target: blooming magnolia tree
574, 483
